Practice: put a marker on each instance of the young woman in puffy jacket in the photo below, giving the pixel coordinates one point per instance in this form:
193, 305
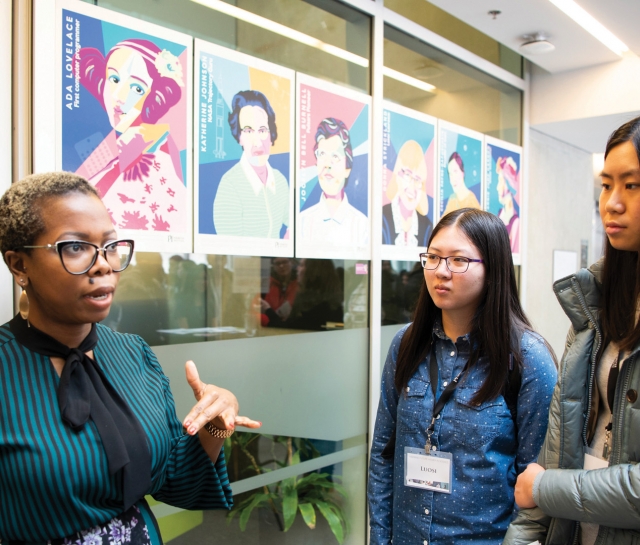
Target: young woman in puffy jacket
585, 487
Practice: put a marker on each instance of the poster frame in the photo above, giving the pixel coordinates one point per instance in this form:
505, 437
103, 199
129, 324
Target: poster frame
152, 241
463, 131
390, 251
231, 244
303, 250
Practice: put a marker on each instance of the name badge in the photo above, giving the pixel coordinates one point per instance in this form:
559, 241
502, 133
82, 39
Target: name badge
431, 471
591, 461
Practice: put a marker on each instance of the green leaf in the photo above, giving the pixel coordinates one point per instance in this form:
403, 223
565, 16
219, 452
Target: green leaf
246, 513
308, 514
333, 519
289, 506
295, 459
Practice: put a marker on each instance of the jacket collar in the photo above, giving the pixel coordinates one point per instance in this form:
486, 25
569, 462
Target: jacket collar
579, 296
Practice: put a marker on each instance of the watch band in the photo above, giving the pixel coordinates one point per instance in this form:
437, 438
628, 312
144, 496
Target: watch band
217, 432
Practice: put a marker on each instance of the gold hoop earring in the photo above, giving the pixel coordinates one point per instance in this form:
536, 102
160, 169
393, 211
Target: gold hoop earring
23, 305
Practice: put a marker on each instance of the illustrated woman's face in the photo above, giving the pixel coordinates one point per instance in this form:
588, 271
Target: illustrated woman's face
128, 84
620, 198
255, 137
456, 177
411, 184
57, 298
332, 165
455, 292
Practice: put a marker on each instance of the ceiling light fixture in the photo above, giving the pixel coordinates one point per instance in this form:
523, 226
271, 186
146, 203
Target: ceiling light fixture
536, 44
591, 25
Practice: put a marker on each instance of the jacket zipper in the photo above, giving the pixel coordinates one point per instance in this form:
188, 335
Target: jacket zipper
585, 309
594, 353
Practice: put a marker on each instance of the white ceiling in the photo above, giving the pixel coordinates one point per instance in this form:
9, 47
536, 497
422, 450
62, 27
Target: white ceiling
575, 47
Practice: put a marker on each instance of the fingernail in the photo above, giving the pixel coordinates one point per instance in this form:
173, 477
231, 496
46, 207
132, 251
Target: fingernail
187, 423
192, 430
232, 425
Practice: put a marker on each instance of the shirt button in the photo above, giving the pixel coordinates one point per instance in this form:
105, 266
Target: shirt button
426, 511
632, 395
408, 389
425, 542
452, 353
445, 383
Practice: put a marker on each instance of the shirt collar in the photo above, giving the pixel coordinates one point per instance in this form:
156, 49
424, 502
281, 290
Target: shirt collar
254, 180
341, 212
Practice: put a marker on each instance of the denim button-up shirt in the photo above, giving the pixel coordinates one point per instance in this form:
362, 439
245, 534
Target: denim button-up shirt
482, 440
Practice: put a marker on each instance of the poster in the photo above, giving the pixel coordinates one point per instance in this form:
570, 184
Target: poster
460, 166
332, 171
124, 120
503, 187
243, 155
408, 182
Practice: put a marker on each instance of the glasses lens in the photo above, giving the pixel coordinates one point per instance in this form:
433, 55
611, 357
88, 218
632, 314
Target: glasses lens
458, 264
119, 254
76, 256
430, 261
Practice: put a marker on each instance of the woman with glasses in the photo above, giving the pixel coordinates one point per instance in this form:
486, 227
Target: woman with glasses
465, 393
87, 419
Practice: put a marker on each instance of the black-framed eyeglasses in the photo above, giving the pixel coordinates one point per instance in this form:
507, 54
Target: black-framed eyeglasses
455, 263
78, 256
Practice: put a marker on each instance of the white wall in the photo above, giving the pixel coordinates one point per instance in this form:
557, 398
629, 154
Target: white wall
560, 216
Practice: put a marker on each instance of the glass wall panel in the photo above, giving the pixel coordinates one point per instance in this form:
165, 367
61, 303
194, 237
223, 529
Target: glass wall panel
455, 30
462, 94
293, 333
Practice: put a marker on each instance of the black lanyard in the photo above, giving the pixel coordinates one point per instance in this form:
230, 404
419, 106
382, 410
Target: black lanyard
445, 396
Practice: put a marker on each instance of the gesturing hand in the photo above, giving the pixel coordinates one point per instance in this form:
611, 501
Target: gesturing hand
213, 404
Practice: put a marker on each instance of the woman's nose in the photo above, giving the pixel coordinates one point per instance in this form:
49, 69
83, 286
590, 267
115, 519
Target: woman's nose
614, 202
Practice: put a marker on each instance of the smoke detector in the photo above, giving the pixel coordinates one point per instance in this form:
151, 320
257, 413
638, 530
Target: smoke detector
536, 44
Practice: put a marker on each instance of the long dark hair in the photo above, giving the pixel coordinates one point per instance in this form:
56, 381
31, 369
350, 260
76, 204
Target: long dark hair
620, 274
499, 321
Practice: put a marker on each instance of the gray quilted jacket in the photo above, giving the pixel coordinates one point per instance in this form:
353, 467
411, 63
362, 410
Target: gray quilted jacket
566, 493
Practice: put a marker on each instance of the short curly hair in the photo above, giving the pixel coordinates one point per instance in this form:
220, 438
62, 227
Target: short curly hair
20, 207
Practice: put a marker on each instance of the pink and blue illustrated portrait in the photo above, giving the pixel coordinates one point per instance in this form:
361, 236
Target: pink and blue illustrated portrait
408, 183
460, 170
333, 170
124, 123
503, 188
244, 149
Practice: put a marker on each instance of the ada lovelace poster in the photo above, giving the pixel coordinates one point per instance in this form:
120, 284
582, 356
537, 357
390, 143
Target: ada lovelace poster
332, 178
124, 117
503, 191
244, 144
408, 182
460, 181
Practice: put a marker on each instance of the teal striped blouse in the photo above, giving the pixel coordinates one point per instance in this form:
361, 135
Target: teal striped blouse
54, 481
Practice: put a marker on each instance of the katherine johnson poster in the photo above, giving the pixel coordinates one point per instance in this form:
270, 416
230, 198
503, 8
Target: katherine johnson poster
244, 142
125, 103
503, 187
408, 182
332, 171
460, 181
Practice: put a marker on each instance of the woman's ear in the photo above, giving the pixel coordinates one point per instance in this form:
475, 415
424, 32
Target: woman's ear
17, 267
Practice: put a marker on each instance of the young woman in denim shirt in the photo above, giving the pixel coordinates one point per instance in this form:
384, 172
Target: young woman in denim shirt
469, 321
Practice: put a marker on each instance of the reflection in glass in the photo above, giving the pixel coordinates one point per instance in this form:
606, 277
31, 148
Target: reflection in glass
463, 94
401, 284
178, 298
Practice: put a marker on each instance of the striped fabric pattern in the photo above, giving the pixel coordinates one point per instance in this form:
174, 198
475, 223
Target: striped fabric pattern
55, 481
